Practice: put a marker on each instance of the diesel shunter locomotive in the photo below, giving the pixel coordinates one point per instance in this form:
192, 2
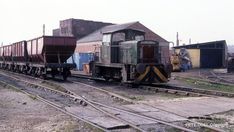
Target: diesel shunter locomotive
126, 56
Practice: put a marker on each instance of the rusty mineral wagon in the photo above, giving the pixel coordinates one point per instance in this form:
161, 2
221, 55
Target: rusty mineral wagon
48, 55
40, 56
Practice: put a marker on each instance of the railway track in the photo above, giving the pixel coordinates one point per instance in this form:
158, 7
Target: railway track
179, 90
50, 103
96, 103
73, 98
163, 90
221, 79
65, 95
189, 90
212, 77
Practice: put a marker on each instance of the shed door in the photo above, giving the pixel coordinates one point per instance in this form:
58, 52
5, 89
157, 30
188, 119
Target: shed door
211, 58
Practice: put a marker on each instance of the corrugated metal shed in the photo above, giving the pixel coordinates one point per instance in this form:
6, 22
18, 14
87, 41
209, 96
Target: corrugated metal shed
212, 54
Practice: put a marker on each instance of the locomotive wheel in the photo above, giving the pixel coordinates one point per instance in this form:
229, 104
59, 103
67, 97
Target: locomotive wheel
54, 72
44, 76
107, 78
44, 73
64, 77
52, 75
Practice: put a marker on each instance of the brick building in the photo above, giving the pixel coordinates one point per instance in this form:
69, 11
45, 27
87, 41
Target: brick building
77, 27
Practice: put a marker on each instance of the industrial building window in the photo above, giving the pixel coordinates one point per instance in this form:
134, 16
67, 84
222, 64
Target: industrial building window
64, 30
118, 37
139, 37
106, 39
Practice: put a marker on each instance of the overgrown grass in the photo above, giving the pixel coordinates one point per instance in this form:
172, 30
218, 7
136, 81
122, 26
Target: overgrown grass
53, 86
137, 98
207, 85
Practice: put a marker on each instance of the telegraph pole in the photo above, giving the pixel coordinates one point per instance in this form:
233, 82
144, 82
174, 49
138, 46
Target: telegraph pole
177, 39
43, 29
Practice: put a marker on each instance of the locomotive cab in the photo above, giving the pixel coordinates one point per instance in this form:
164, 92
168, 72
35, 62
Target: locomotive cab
110, 48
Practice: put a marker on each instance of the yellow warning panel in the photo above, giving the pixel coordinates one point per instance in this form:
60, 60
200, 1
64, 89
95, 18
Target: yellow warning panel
195, 57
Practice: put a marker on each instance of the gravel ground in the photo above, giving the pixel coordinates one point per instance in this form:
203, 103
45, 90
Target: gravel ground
21, 113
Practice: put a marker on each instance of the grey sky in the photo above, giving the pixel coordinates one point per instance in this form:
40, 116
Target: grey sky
200, 20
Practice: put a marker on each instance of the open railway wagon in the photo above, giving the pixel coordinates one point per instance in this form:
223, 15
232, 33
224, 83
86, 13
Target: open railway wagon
40, 56
126, 56
6, 55
1, 57
18, 56
48, 55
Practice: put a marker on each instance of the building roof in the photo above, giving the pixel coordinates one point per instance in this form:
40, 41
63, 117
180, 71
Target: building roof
117, 27
212, 44
97, 35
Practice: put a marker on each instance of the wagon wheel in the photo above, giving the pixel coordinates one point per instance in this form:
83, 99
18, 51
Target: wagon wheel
44, 73
44, 76
52, 75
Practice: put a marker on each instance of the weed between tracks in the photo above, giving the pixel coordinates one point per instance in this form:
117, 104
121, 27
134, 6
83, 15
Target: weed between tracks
53, 86
207, 85
137, 98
